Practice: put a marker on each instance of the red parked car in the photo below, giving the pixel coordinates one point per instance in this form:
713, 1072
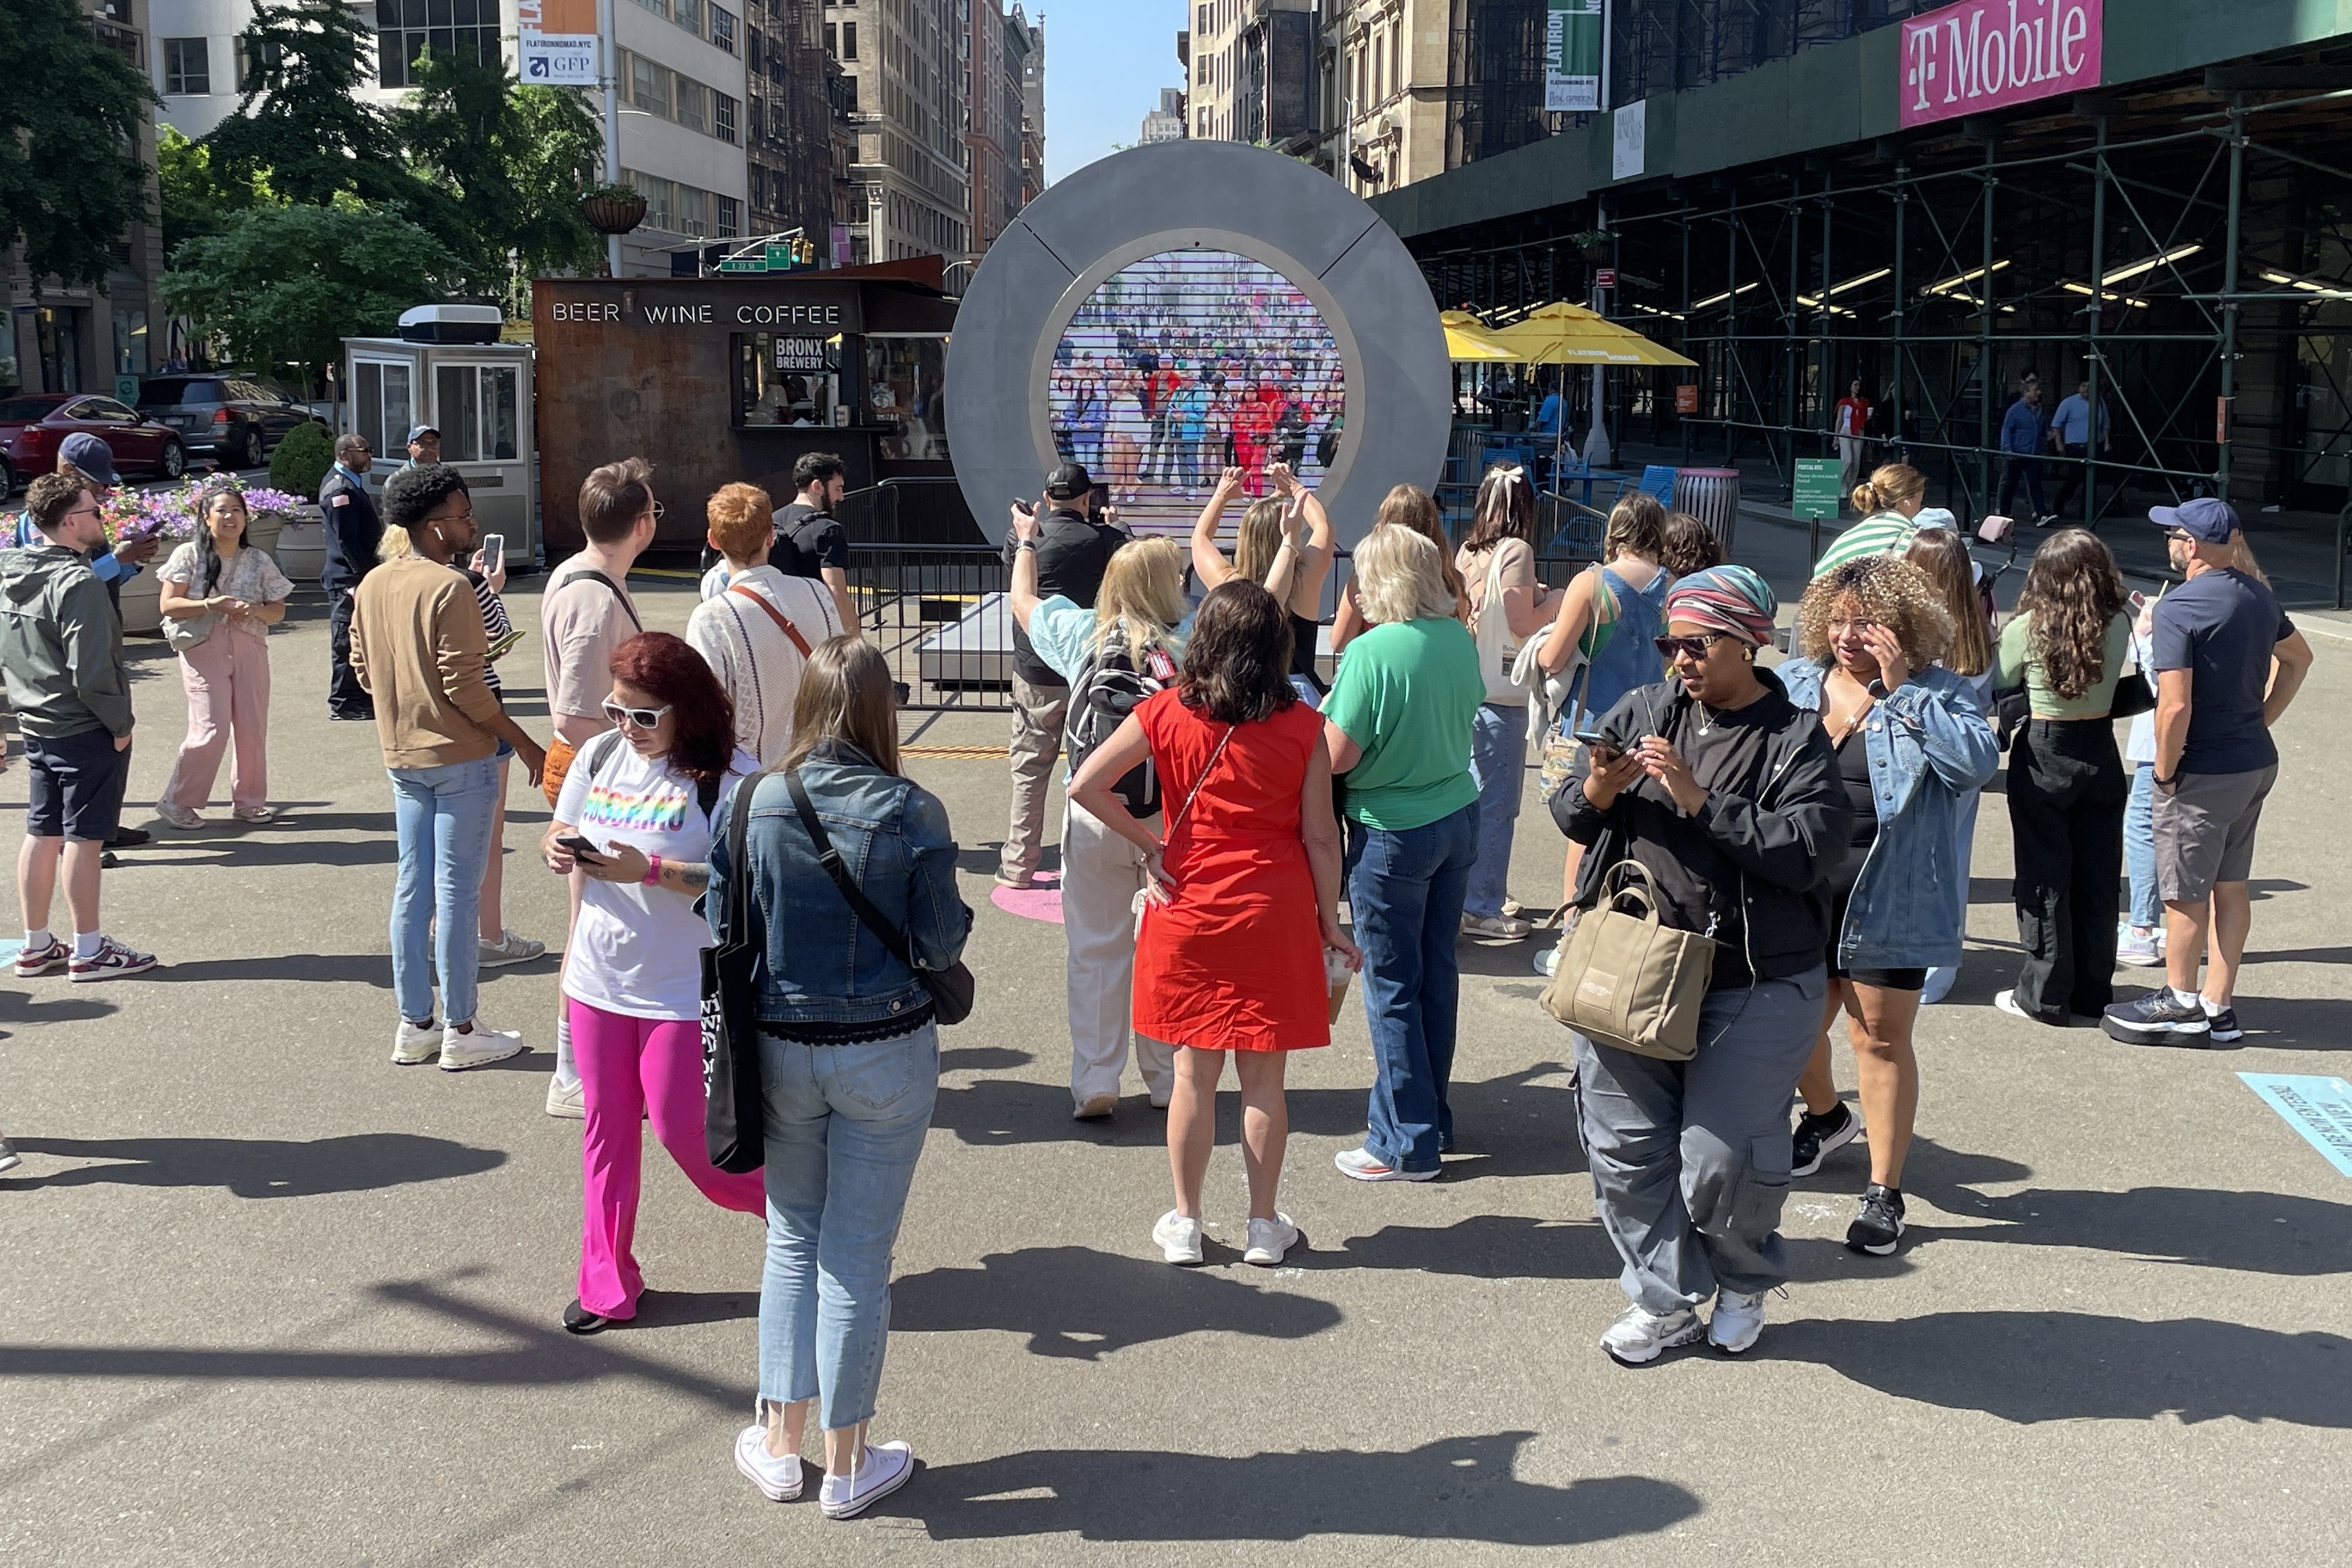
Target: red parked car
33, 426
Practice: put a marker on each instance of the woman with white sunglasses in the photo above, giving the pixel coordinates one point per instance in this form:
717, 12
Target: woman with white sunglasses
641, 798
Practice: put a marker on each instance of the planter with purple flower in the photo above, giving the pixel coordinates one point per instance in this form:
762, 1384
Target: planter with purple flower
131, 515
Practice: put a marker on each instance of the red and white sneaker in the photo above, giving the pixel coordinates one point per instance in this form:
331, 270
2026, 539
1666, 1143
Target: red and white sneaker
112, 960
48, 961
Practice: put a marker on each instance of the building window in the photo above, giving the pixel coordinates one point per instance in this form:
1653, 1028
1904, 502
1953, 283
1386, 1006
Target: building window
722, 117
731, 218
687, 14
693, 104
659, 7
649, 85
849, 40
723, 28
249, 62
463, 29
381, 405
694, 213
187, 67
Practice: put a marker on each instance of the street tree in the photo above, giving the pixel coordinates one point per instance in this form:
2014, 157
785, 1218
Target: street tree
198, 199
513, 159
69, 110
284, 285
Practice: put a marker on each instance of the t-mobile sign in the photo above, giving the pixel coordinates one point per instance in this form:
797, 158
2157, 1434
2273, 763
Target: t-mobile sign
1989, 54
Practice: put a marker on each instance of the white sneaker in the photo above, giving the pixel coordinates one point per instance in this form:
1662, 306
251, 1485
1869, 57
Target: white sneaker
1737, 1320
1365, 1166
1642, 1335
883, 1470
777, 1477
477, 1047
1269, 1239
1179, 1239
414, 1045
9, 1158
570, 1104
2141, 949
185, 818
511, 949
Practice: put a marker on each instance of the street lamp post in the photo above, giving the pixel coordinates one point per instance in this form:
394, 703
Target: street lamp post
608, 49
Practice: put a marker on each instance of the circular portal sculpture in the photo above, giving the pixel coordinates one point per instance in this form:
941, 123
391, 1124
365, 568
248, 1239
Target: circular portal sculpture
1180, 308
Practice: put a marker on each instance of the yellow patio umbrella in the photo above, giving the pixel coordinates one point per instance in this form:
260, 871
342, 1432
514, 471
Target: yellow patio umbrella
1562, 333
1468, 340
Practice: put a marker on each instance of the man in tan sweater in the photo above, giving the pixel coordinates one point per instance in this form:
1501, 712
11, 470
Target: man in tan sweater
417, 644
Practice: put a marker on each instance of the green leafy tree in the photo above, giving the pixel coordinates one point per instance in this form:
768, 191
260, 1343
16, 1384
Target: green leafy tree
302, 124
197, 199
512, 159
284, 285
69, 110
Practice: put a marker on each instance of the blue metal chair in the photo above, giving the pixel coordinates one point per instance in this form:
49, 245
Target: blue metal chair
1658, 480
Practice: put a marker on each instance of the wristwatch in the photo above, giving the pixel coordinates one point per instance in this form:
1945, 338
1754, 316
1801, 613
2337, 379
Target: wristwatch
1024, 544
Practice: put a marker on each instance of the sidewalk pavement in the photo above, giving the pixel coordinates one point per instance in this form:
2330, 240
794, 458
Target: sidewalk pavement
271, 1300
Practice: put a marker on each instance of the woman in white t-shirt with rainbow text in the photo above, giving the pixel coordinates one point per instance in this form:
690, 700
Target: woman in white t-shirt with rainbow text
645, 796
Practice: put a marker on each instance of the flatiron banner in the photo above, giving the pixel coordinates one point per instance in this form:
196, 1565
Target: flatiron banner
1576, 38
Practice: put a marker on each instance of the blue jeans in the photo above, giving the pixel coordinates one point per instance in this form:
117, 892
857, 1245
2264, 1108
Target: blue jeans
444, 815
1498, 760
1405, 891
2139, 848
844, 1125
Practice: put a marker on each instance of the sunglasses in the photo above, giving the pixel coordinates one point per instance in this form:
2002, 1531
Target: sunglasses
642, 717
1697, 647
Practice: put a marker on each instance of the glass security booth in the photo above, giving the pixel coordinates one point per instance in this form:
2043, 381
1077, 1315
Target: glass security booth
455, 375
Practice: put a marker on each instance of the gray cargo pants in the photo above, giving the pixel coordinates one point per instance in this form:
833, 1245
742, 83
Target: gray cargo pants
1690, 1160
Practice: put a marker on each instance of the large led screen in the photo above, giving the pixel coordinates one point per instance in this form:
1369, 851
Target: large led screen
1188, 363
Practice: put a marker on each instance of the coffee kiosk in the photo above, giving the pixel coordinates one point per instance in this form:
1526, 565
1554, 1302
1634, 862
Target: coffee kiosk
714, 380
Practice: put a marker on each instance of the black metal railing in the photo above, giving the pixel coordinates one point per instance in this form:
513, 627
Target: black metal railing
910, 512
938, 613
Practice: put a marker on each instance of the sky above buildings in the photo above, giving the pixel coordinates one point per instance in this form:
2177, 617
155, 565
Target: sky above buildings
1105, 61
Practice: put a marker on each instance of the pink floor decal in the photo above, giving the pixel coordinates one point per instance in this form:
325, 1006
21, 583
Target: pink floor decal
1041, 900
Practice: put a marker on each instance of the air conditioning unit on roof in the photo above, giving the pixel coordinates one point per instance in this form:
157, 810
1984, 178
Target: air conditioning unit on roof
452, 324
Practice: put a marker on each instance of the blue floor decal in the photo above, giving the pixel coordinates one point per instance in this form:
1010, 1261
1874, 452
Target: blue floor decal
2318, 1108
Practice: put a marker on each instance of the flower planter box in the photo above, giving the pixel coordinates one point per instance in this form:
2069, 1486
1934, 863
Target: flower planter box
301, 549
142, 601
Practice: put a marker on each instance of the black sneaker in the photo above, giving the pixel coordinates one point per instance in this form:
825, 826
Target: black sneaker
1879, 1226
1817, 1135
2156, 1019
129, 838
2221, 1027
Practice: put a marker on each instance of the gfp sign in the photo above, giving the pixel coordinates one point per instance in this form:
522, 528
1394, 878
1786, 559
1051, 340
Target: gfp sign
1987, 54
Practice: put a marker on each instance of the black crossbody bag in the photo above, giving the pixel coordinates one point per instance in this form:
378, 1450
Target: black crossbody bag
731, 1010
952, 989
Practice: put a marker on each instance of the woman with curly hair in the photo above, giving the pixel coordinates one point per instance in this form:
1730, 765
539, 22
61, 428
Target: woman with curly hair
1245, 895
1911, 742
643, 795
2066, 645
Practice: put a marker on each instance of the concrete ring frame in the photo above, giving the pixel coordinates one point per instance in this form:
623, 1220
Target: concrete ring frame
1223, 195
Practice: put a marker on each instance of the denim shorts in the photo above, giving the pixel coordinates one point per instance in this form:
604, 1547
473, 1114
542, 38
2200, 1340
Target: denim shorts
76, 786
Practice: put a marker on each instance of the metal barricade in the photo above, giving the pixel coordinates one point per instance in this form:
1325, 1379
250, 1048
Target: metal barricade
940, 614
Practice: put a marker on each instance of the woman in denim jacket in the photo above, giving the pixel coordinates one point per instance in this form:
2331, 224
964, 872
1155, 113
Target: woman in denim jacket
1912, 742
850, 1066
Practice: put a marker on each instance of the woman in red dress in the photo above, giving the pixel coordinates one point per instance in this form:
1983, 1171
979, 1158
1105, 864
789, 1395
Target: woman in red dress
1240, 899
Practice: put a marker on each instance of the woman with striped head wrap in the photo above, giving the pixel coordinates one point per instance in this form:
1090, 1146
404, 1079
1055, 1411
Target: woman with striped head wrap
1727, 794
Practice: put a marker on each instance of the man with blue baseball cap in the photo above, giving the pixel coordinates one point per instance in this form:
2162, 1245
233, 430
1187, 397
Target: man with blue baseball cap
2227, 662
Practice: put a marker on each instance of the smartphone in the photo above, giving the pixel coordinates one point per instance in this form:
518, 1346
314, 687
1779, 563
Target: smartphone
503, 645
494, 553
582, 849
1026, 509
1594, 738
2138, 600
1100, 499
1996, 529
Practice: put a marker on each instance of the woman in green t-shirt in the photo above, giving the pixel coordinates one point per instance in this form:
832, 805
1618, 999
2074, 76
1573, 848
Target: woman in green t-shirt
1397, 724
2067, 789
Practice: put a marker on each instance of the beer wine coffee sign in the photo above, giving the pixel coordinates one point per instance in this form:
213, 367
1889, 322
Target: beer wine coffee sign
1989, 54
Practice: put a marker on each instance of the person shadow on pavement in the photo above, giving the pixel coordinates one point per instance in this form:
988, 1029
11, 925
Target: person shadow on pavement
260, 1167
1078, 1303
1456, 1488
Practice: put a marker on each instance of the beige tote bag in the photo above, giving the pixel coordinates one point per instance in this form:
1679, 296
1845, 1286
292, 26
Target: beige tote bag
1628, 980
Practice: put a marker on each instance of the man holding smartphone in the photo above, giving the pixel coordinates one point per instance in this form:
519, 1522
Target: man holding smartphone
1072, 548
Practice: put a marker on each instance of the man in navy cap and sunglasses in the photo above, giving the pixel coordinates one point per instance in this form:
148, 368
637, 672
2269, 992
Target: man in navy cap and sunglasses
2227, 662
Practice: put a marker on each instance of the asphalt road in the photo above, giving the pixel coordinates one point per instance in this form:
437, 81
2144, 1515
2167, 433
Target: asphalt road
270, 1299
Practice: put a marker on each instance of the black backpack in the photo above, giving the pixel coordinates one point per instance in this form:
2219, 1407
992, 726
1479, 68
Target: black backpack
1108, 688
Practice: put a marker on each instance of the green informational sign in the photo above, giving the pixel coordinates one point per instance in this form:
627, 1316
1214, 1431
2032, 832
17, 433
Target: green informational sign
753, 264
1575, 35
126, 390
780, 258
1819, 488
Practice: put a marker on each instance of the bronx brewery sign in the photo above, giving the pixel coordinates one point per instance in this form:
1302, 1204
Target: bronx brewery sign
1989, 54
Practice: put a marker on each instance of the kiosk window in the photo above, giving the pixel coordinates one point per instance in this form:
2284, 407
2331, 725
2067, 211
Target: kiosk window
784, 379
906, 393
477, 408
381, 400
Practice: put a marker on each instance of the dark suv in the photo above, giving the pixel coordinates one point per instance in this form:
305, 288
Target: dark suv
239, 422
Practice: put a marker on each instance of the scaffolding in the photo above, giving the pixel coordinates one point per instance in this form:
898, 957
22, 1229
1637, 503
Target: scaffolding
2185, 249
